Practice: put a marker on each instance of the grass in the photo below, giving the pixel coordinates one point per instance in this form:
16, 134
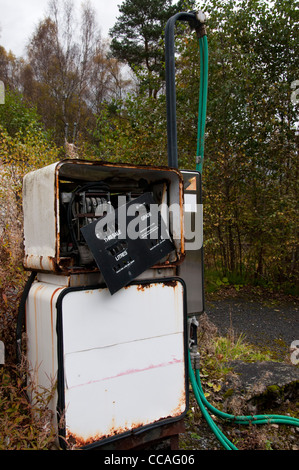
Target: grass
23, 426
217, 351
216, 279
231, 349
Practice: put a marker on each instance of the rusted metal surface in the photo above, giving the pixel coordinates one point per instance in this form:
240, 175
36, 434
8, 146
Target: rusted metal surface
133, 440
127, 371
74, 440
150, 437
170, 283
42, 339
123, 356
39, 219
42, 231
40, 263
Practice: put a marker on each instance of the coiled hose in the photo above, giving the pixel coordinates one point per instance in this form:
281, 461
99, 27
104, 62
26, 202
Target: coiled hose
204, 406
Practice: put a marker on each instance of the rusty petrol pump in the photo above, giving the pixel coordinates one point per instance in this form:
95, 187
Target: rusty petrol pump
109, 311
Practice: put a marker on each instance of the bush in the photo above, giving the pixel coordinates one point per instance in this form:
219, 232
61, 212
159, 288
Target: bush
23, 425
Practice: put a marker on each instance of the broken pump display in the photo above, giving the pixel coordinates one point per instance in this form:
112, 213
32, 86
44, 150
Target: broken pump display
127, 241
78, 193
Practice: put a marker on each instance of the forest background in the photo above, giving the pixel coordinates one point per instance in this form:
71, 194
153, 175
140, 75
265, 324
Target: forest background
104, 99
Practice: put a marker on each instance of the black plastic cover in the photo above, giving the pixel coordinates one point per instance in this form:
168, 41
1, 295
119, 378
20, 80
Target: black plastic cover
128, 241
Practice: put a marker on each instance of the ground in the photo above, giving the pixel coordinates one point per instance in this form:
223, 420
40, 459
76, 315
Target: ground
271, 323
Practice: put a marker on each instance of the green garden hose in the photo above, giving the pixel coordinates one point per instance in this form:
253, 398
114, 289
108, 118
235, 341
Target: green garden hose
251, 419
226, 443
203, 94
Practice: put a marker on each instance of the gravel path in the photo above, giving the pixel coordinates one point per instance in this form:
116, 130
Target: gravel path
271, 324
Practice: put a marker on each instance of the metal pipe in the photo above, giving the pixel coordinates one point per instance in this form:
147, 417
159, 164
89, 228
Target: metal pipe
191, 17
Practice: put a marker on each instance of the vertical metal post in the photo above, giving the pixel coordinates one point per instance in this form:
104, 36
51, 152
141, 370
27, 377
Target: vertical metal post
170, 83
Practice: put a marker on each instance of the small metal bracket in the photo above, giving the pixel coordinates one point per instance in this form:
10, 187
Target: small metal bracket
198, 23
198, 159
192, 332
2, 353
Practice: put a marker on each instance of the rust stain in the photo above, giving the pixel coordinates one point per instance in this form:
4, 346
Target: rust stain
65, 262
142, 287
181, 405
52, 328
165, 265
78, 270
79, 441
170, 283
160, 432
38, 288
75, 441
119, 165
182, 257
57, 248
61, 265
40, 263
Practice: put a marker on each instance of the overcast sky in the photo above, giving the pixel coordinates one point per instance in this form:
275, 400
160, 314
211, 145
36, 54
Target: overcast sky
18, 19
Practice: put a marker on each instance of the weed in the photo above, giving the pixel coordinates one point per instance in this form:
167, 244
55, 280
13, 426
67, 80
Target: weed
23, 425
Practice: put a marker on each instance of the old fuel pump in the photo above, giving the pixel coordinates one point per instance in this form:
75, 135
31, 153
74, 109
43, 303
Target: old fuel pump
114, 281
